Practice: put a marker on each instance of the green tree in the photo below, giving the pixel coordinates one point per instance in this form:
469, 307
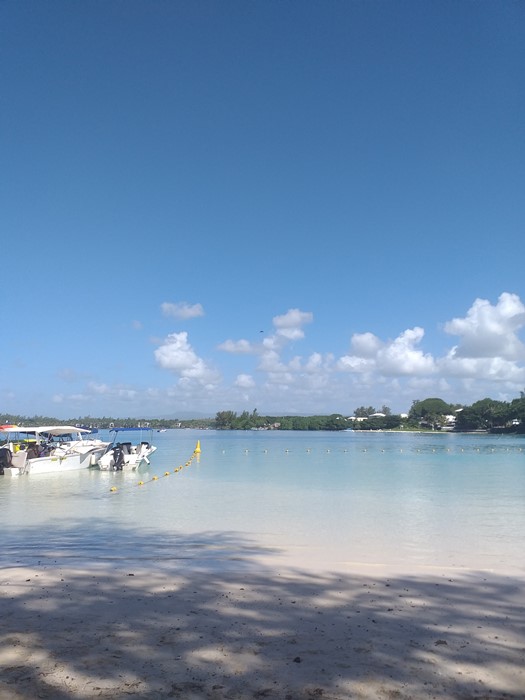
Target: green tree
364, 411
429, 412
484, 415
429, 407
224, 420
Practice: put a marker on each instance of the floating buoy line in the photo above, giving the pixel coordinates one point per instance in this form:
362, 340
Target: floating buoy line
195, 454
424, 450
485, 449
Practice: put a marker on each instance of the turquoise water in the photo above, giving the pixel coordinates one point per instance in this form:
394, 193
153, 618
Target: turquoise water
336, 500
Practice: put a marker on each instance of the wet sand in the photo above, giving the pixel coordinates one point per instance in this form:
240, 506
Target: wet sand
126, 629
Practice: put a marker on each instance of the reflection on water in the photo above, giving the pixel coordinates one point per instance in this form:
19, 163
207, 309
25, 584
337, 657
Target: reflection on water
425, 499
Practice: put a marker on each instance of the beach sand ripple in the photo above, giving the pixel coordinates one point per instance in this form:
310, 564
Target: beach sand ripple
263, 632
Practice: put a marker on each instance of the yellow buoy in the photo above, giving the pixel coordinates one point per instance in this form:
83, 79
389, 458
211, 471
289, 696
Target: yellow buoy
198, 447
141, 483
113, 488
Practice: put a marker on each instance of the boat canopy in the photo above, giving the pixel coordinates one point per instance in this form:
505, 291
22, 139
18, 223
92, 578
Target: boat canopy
55, 430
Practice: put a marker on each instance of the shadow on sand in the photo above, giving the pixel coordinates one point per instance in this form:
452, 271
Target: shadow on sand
201, 617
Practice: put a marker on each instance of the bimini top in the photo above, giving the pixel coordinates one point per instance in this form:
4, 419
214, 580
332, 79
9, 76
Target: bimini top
55, 430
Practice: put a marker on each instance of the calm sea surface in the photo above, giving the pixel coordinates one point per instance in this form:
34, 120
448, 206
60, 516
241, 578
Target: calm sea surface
335, 500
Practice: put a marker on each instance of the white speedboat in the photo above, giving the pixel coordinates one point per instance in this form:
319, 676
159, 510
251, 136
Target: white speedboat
126, 455
46, 449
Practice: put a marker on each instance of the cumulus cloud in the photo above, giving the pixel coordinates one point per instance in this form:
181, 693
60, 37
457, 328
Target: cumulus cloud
365, 345
489, 349
486, 358
490, 331
400, 356
177, 355
237, 347
271, 362
496, 369
354, 363
181, 310
244, 381
289, 325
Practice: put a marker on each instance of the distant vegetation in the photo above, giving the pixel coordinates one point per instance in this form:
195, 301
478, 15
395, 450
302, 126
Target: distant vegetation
436, 414
106, 423
228, 420
486, 414
428, 414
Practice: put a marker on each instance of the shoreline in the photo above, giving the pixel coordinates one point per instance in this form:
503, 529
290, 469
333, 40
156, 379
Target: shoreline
240, 628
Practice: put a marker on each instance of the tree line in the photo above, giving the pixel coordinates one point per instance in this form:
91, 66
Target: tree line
428, 414
436, 414
229, 420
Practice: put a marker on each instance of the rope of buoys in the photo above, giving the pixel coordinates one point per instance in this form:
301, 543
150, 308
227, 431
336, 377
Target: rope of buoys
196, 452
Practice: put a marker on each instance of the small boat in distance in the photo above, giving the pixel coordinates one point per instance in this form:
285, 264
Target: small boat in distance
121, 454
45, 449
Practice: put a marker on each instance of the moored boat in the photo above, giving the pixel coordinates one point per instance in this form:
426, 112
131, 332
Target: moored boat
122, 454
46, 449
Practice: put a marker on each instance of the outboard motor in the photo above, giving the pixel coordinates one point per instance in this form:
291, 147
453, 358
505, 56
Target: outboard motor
118, 458
5, 459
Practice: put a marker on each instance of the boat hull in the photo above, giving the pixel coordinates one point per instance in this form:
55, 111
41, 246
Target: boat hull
108, 461
52, 464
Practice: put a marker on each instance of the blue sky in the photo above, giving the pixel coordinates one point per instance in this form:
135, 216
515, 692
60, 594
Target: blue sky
298, 207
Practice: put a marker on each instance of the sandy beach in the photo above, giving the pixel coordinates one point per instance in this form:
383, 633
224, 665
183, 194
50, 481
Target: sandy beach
125, 630
247, 577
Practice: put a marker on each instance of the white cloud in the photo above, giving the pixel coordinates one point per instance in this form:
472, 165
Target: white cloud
271, 342
490, 331
271, 362
487, 358
177, 355
489, 349
289, 325
237, 347
288, 328
496, 369
402, 357
244, 381
365, 345
395, 357
354, 363
181, 310
97, 388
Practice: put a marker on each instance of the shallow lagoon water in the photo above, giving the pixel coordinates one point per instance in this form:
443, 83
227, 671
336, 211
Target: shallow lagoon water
333, 500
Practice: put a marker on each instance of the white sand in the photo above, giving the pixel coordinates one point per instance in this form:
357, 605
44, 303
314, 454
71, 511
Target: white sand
259, 631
